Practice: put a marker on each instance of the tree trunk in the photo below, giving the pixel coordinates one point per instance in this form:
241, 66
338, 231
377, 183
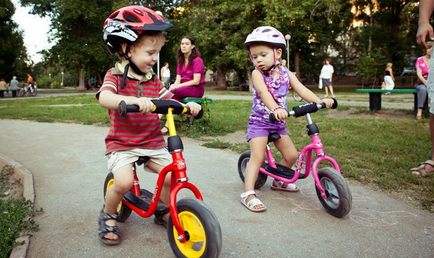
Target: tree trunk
221, 77
297, 63
81, 87
249, 77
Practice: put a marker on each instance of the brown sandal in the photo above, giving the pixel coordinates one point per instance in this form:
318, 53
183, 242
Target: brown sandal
421, 170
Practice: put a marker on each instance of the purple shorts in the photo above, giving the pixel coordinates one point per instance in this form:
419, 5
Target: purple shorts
257, 128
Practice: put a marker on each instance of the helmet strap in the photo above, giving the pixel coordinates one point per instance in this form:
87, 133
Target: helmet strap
127, 66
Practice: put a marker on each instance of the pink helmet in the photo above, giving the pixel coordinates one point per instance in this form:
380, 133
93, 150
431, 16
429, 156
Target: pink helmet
268, 35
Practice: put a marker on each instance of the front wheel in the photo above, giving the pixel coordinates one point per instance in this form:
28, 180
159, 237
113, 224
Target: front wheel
201, 227
243, 160
339, 200
123, 211
296, 97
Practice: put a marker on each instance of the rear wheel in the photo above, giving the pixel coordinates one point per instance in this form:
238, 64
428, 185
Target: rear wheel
201, 228
243, 160
295, 96
339, 200
123, 211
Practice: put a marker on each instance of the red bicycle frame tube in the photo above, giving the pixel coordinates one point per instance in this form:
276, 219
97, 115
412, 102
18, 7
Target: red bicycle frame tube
179, 181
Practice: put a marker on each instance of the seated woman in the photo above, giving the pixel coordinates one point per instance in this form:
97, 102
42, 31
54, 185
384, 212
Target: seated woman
422, 69
190, 72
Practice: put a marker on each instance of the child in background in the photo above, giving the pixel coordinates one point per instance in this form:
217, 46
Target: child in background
135, 35
270, 88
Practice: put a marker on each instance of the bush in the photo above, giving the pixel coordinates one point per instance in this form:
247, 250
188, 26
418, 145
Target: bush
15, 216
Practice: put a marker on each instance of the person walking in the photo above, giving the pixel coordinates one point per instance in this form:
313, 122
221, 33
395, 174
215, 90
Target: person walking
425, 29
422, 70
165, 75
326, 77
389, 78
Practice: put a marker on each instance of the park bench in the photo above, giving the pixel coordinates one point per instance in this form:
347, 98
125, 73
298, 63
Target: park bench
14, 92
375, 97
204, 102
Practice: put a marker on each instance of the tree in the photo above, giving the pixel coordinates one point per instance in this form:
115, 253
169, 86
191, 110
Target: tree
13, 54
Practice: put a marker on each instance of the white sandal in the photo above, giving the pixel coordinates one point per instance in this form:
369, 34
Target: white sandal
253, 202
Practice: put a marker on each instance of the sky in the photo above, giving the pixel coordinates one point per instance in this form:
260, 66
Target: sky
34, 29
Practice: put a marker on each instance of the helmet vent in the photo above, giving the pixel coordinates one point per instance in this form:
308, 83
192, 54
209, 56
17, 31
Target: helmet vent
131, 17
113, 15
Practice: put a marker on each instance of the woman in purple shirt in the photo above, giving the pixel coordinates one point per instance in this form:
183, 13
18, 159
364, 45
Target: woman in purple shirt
190, 72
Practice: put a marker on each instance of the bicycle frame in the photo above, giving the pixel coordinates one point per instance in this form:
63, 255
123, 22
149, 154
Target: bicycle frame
317, 146
179, 181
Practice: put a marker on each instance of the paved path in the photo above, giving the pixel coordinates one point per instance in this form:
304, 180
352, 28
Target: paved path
68, 165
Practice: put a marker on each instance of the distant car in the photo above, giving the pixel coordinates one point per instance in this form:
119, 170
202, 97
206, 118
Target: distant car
408, 71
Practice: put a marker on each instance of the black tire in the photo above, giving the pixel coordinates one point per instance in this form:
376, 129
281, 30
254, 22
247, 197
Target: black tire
123, 211
339, 199
35, 92
242, 164
296, 97
201, 227
23, 92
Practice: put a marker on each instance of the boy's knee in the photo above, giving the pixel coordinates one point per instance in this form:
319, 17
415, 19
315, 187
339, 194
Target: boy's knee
122, 186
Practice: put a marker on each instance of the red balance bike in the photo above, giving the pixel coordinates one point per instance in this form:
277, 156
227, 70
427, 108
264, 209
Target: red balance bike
192, 227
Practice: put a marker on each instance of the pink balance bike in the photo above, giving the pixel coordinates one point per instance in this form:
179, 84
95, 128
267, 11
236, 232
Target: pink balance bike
331, 187
192, 227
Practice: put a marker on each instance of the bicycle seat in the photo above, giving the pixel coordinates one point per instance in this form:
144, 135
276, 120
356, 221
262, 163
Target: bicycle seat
142, 160
273, 137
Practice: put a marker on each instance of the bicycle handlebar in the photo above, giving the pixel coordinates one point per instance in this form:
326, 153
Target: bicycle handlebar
304, 109
161, 106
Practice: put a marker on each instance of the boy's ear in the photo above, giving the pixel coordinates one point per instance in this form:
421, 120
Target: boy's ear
123, 48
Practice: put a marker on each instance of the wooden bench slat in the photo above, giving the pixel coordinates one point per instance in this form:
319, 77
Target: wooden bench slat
381, 91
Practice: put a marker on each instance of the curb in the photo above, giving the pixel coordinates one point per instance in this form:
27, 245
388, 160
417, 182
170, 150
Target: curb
25, 178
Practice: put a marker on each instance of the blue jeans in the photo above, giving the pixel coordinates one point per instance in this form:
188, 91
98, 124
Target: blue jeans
421, 95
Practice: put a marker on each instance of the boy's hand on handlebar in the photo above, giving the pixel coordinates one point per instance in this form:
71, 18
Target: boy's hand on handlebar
329, 102
194, 108
280, 114
145, 105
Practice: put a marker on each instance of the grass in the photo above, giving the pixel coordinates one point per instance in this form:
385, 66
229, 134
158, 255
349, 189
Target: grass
16, 215
376, 152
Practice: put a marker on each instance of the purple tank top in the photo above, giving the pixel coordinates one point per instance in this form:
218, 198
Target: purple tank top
278, 88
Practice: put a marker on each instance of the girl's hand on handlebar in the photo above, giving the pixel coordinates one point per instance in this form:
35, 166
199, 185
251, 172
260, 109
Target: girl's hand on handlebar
194, 108
329, 102
145, 105
280, 114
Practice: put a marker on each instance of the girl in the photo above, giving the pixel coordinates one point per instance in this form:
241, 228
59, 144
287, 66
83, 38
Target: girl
389, 79
270, 87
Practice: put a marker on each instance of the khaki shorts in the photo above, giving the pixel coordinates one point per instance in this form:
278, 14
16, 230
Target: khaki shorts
430, 86
119, 159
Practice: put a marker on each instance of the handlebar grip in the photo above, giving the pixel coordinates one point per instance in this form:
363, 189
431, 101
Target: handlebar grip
160, 107
335, 104
123, 108
306, 108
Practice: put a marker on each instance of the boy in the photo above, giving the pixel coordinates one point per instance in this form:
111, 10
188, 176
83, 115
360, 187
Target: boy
135, 35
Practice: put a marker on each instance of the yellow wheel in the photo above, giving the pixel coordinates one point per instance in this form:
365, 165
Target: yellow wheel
201, 227
123, 210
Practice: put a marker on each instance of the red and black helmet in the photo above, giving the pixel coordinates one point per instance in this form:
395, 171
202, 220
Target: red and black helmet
127, 23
